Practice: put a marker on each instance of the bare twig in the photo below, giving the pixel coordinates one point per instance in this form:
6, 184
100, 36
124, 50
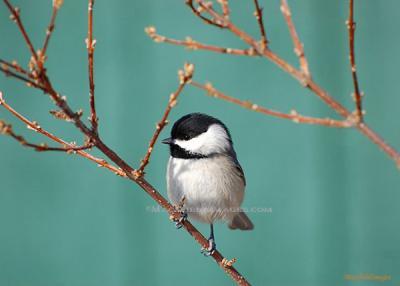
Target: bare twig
298, 45
259, 16
198, 13
15, 66
6, 129
351, 26
7, 72
37, 128
185, 76
90, 43
293, 115
15, 16
50, 28
225, 8
191, 44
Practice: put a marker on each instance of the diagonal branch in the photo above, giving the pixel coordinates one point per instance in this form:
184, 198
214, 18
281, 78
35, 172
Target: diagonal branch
15, 16
50, 28
293, 116
351, 26
298, 46
185, 76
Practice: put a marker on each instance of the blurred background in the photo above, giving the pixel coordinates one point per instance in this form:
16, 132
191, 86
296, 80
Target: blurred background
330, 197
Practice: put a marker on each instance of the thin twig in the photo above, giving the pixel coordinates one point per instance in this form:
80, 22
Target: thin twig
16, 67
50, 28
351, 26
298, 45
185, 77
191, 44
225, 8
293, 115
15, 16
7, 72
6, 129
37, 128
90, 43
198, 13
259, 16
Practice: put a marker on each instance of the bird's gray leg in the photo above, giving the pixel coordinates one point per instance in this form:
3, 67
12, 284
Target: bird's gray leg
211, 243
183, 217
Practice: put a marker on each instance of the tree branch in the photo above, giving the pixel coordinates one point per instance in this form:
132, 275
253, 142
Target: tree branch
124, 169
6, 129
299, 75
351, 26
191, 44
185, 77
293, 116
298, 46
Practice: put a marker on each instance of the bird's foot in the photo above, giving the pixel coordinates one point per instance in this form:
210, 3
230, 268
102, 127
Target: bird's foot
179, 222
210, 249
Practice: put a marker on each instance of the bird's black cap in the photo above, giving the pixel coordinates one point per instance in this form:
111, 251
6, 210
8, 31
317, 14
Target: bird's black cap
193, 124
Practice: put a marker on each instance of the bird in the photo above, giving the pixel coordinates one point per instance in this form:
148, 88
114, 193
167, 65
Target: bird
204, 176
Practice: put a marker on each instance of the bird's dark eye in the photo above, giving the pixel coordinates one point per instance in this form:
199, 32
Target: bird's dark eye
186, 137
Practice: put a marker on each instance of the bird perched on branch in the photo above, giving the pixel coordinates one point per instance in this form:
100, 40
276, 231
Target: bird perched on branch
204, 176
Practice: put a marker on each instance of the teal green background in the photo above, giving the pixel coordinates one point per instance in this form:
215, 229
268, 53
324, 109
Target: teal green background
334, 195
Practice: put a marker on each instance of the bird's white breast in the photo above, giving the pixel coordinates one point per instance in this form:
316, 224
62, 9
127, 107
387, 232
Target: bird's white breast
212, 187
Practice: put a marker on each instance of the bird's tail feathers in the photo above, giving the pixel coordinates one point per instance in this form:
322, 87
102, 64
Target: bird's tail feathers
241, 221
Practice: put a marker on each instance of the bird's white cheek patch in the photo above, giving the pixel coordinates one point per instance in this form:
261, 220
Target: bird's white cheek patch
214, 140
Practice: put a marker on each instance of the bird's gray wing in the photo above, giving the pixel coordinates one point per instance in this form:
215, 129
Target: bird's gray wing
237, 165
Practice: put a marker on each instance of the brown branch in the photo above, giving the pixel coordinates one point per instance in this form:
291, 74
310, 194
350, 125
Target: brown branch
259, 16
293, 115
16, 67
191, 44
124, 170
299, 75
225, 8
185, 77
6, 129
15, 16
7, 72
90, 44
51, 26
37, 128
298, 46
351, 26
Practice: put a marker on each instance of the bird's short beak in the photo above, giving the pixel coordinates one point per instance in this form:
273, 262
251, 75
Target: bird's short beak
168, 141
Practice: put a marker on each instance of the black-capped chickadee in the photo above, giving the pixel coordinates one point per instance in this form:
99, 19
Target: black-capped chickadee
204, 174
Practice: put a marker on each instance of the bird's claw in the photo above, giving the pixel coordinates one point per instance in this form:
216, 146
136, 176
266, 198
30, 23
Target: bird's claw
182, 218
210, 249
